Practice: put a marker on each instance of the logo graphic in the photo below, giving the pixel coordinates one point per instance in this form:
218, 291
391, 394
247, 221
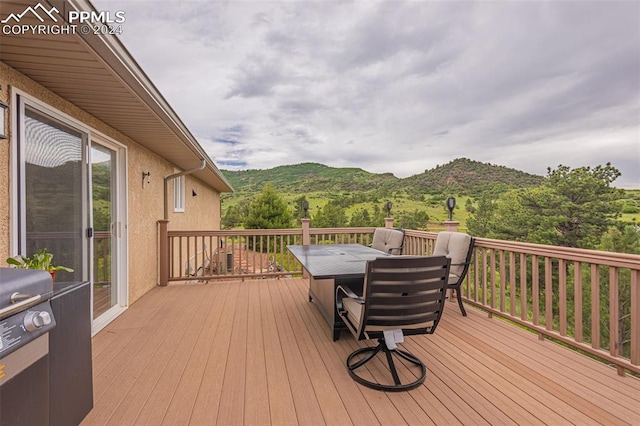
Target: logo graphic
78, 22
34, 11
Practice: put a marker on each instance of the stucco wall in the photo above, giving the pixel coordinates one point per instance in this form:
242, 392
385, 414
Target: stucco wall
4, 175
145, 204
203, 208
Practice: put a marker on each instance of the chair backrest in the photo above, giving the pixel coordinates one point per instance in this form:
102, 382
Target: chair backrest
404, 292
458, 247
388, 240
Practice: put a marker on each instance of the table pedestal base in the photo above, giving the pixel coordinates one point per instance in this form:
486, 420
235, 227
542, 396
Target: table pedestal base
323, 293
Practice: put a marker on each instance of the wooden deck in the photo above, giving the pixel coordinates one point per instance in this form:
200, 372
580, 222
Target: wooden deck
257, 352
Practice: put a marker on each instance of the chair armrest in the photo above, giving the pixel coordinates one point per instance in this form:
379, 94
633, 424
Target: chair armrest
349, 293
341, 292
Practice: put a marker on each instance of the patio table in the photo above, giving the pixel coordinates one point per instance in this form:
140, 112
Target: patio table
329, 266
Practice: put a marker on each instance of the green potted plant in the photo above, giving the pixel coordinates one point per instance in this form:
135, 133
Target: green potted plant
41, 259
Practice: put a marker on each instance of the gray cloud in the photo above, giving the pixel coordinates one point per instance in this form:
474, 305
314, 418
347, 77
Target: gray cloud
398, 86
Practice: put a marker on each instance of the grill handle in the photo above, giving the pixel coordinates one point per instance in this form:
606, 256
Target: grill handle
19, 302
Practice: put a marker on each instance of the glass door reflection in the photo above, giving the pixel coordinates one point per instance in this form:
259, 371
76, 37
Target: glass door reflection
103, 182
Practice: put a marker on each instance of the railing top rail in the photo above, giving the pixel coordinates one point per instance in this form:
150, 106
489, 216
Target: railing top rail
621, 260
236, 232
286, 231
321, 231
421, 234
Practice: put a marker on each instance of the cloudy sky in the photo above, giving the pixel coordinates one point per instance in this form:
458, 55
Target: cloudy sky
398, 86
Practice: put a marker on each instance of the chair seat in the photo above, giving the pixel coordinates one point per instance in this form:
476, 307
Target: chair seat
453, 279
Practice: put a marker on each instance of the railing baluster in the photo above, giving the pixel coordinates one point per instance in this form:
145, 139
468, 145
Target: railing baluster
562, 294
614, 312
595, 307
635, 317
484, 277
492, 271
512, 283
524, 311
548, 293
577, 299
476, 279
535, 289
503, 283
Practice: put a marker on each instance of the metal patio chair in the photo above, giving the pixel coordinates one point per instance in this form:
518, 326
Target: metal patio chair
457, 246
402, 296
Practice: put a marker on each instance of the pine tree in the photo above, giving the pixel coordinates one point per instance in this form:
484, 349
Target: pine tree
332, 215
268, 211
572, 208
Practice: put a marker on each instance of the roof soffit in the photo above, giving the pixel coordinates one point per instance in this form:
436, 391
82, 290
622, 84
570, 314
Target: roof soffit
74, 66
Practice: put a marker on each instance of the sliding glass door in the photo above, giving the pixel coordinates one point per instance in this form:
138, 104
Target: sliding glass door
106, 228
53, 194
71, 200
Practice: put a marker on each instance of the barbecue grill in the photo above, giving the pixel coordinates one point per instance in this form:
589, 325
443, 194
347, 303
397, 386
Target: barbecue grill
26, 318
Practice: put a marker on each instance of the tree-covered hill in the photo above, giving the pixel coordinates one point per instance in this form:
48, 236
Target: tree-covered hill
357, 194
308, 177
468, 177
461, 176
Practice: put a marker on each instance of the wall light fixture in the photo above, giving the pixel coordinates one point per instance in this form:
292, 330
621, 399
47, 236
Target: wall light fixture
3, 120
146, 176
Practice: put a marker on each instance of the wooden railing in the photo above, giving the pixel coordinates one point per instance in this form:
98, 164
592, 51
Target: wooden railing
208, 255
586, 299
102, 258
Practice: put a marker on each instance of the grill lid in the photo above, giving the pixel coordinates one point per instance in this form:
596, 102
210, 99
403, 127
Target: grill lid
21, 288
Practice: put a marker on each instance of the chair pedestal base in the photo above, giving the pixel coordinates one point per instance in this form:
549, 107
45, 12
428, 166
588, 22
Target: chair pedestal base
361, 356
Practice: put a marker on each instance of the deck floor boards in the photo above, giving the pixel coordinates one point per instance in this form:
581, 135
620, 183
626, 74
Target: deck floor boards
258, 352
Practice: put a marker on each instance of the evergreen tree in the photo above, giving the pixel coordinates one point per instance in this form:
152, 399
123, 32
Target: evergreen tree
378, 216
468, 206
480, 222
332, 215
360, 218
572, 208
625, 239
234, 215
268, 211
413, 220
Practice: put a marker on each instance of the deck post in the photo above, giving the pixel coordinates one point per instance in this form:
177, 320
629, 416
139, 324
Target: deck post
306, 235
388, 222
306, 239
164, 252
451, 225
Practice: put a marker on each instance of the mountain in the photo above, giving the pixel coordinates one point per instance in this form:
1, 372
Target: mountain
308, 177
462, 176
466, 176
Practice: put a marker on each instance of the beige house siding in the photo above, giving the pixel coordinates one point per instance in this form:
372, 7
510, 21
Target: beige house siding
5, 173
145, 205
199, 209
